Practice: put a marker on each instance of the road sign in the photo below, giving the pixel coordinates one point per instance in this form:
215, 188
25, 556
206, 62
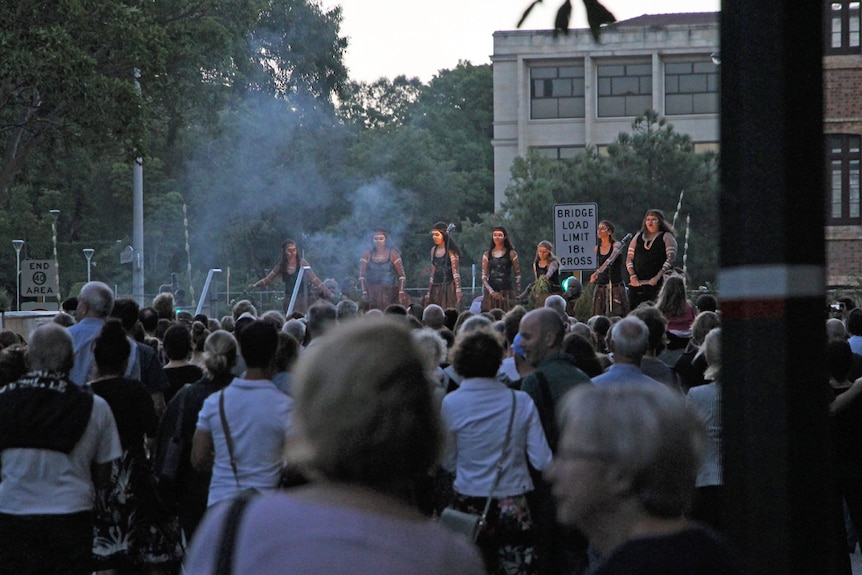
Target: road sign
575, 236
38, 278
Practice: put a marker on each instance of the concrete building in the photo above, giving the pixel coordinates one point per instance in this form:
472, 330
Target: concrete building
559, 95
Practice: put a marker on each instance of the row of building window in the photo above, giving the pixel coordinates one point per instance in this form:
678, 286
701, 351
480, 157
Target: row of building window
623, 89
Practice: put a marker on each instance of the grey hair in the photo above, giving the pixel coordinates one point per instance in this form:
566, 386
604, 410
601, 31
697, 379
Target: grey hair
51, 348
630, 337
220, 351
296, 328
432, 347
649, 433
558, 304
98, 297
474, 323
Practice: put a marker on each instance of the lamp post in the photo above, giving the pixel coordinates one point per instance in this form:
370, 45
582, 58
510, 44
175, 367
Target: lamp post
55, 214
17, 244
88, 253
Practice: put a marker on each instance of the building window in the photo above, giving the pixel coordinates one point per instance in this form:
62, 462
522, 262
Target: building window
559, 152
624, 89
843, 181
557, 92
691, 87
842, 27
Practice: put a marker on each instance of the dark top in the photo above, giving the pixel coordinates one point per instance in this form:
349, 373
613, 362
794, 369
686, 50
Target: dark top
648, 262
500, 271
695, 551
553, 280
179, 376
290, 279
152, 374
560, 374
133, 410
613, 271
442, 269
380, 273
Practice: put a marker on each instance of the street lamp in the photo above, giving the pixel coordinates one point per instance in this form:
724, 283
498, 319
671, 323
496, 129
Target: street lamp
55, 214
17, 244
88, 253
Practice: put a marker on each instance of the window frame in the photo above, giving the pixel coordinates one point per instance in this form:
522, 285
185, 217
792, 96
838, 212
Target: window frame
850, 150
845, 19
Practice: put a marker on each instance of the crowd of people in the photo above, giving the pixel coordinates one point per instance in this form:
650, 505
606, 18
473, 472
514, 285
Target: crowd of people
333, 439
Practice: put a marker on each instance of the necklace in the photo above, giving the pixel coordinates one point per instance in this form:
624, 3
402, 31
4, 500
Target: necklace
649, 242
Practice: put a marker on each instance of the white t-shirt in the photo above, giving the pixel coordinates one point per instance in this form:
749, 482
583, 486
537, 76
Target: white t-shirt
47, 482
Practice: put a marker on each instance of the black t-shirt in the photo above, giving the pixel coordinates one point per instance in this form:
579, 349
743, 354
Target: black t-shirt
695, 551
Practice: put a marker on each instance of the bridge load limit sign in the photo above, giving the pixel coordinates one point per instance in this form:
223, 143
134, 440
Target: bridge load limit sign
38, 278
575, 236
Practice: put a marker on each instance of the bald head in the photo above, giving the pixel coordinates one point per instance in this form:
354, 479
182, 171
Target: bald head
542, 332
835, 329
51, 349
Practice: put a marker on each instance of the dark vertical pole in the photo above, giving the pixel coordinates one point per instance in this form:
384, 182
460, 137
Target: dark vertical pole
777, 471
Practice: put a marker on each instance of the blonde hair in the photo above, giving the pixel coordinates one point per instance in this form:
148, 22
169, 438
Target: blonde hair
367, 418
220, 352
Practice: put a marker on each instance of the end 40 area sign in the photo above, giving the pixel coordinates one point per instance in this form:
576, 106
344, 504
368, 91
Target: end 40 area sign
38, 278
575, 236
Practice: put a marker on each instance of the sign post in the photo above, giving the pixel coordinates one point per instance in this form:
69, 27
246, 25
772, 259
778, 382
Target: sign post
575, 236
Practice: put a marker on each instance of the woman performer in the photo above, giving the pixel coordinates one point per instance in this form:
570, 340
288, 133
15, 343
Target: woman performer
444, 286
651, 253
609, 298
497, 266
288, 267
546, 266
377, 273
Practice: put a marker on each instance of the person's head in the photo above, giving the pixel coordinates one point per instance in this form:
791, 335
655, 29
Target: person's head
672, 298
321, 317
149, 319
854, 321
286, 353
656, 322
346, 310
343, 437
834, 329
441, 238
706, 321
379, 239
605, 231
95, 301
164, 306
500, 237
545, 251
178, 342
839, 359
288, 250
8, 338
51, 349
227, 323
654, 222
627, 452
241, 307
296, 328
512, 322
64, 319
220, 353
257, 342
706, 302
601, 325
474, 323
200, 333
395, 309
558, 304
111, 349
126, 310
432, 347
629, 340
542, 333
433, 316
274, 316
13, 363
584, 353
477, 353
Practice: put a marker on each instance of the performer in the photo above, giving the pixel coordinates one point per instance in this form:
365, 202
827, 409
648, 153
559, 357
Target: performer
650, 255
288, 267
498, 263
546, 266
609, 297
381, 273
444, 286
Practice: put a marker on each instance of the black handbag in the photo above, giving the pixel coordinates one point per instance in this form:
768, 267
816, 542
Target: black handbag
470, 524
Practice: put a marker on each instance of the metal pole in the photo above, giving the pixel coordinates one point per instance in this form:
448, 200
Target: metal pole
56, 214
138, 219
17, 244
88, 253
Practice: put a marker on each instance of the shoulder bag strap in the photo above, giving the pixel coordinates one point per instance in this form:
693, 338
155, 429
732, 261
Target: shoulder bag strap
502, 457
224, 560
228, 439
